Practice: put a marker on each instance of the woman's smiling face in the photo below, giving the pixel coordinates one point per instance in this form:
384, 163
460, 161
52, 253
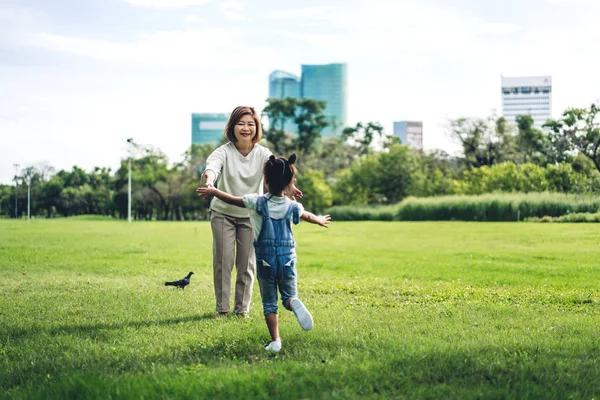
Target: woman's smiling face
245, 130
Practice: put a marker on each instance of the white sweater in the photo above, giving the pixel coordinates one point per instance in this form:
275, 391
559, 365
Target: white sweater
237, 175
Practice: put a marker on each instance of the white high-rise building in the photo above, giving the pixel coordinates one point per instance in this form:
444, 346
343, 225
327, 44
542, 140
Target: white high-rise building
530, 95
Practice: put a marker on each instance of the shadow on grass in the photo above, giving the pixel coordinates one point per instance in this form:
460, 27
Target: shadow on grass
94, 329
479, 372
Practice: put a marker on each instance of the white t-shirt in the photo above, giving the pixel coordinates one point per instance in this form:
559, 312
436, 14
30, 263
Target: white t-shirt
278, 206
237, 175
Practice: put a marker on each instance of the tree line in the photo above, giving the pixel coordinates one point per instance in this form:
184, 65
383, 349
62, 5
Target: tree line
363, 165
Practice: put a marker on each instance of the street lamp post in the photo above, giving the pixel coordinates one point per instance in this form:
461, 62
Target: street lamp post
16, 188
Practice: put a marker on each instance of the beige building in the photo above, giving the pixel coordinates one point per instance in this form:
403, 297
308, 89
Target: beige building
410, 133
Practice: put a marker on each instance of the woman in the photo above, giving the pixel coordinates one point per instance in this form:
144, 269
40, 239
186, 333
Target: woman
237, 167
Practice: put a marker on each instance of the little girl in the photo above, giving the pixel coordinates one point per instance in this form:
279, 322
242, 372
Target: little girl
271, 216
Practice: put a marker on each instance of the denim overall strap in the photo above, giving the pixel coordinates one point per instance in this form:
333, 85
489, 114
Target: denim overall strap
293, 212
261, 205
262, 208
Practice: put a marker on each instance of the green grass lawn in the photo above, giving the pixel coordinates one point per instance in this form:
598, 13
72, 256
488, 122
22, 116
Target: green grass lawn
402, 310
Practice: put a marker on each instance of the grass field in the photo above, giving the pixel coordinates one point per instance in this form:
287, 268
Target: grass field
402, 310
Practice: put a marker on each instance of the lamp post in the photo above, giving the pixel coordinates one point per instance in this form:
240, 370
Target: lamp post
130, 141
16, 188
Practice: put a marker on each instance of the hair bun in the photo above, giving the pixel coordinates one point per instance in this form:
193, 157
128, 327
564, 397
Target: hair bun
272, 159
292, 158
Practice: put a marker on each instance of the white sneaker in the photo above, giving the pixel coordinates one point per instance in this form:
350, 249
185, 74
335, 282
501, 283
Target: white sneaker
302, 314
274, 346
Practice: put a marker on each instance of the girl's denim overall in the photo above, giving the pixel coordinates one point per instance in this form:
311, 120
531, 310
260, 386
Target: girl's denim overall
276, 256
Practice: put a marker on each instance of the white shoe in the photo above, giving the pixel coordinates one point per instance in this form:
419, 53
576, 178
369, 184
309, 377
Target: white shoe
302, 314
274, 346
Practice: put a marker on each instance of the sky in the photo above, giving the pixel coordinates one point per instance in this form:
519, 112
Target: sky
79, 77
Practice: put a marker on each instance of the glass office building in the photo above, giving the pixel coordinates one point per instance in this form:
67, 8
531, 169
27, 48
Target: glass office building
527, 96
410, 133
283, 84
208, 127
327, 82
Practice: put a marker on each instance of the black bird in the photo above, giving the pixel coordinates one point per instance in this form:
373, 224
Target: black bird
182, 283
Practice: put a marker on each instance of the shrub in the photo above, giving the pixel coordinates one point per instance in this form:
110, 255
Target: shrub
487, 207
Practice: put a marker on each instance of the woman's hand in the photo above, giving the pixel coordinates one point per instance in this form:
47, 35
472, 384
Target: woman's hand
292, 191
297, 192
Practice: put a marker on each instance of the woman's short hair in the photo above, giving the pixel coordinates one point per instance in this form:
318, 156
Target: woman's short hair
235, 117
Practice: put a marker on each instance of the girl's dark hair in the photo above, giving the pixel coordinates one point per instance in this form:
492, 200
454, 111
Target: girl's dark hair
279, 172
235, 117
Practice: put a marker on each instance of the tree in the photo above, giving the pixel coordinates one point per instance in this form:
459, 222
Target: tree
395, 171
362, 135
534, 144
484, 141
338, 152
564, 178
384, 177
185, 181
317, 195
561, 149
579, 130
281, 112
353, 185
5, 195
148, 171
333, 156
435, 174
310, 121
51, 194
306, 114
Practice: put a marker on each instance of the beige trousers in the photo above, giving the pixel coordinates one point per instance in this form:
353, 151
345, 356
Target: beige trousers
232, 239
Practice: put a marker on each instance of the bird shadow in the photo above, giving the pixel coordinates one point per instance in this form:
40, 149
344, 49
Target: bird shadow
94, 330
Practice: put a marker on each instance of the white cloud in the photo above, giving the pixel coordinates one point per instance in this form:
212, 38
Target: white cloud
574, 3
320, 40
319, 13
233, 11
167, 3
16, 21
498, 28
192, 18
173, 49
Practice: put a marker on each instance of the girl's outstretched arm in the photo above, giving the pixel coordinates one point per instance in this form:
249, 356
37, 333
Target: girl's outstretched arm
205, 192
322, 220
